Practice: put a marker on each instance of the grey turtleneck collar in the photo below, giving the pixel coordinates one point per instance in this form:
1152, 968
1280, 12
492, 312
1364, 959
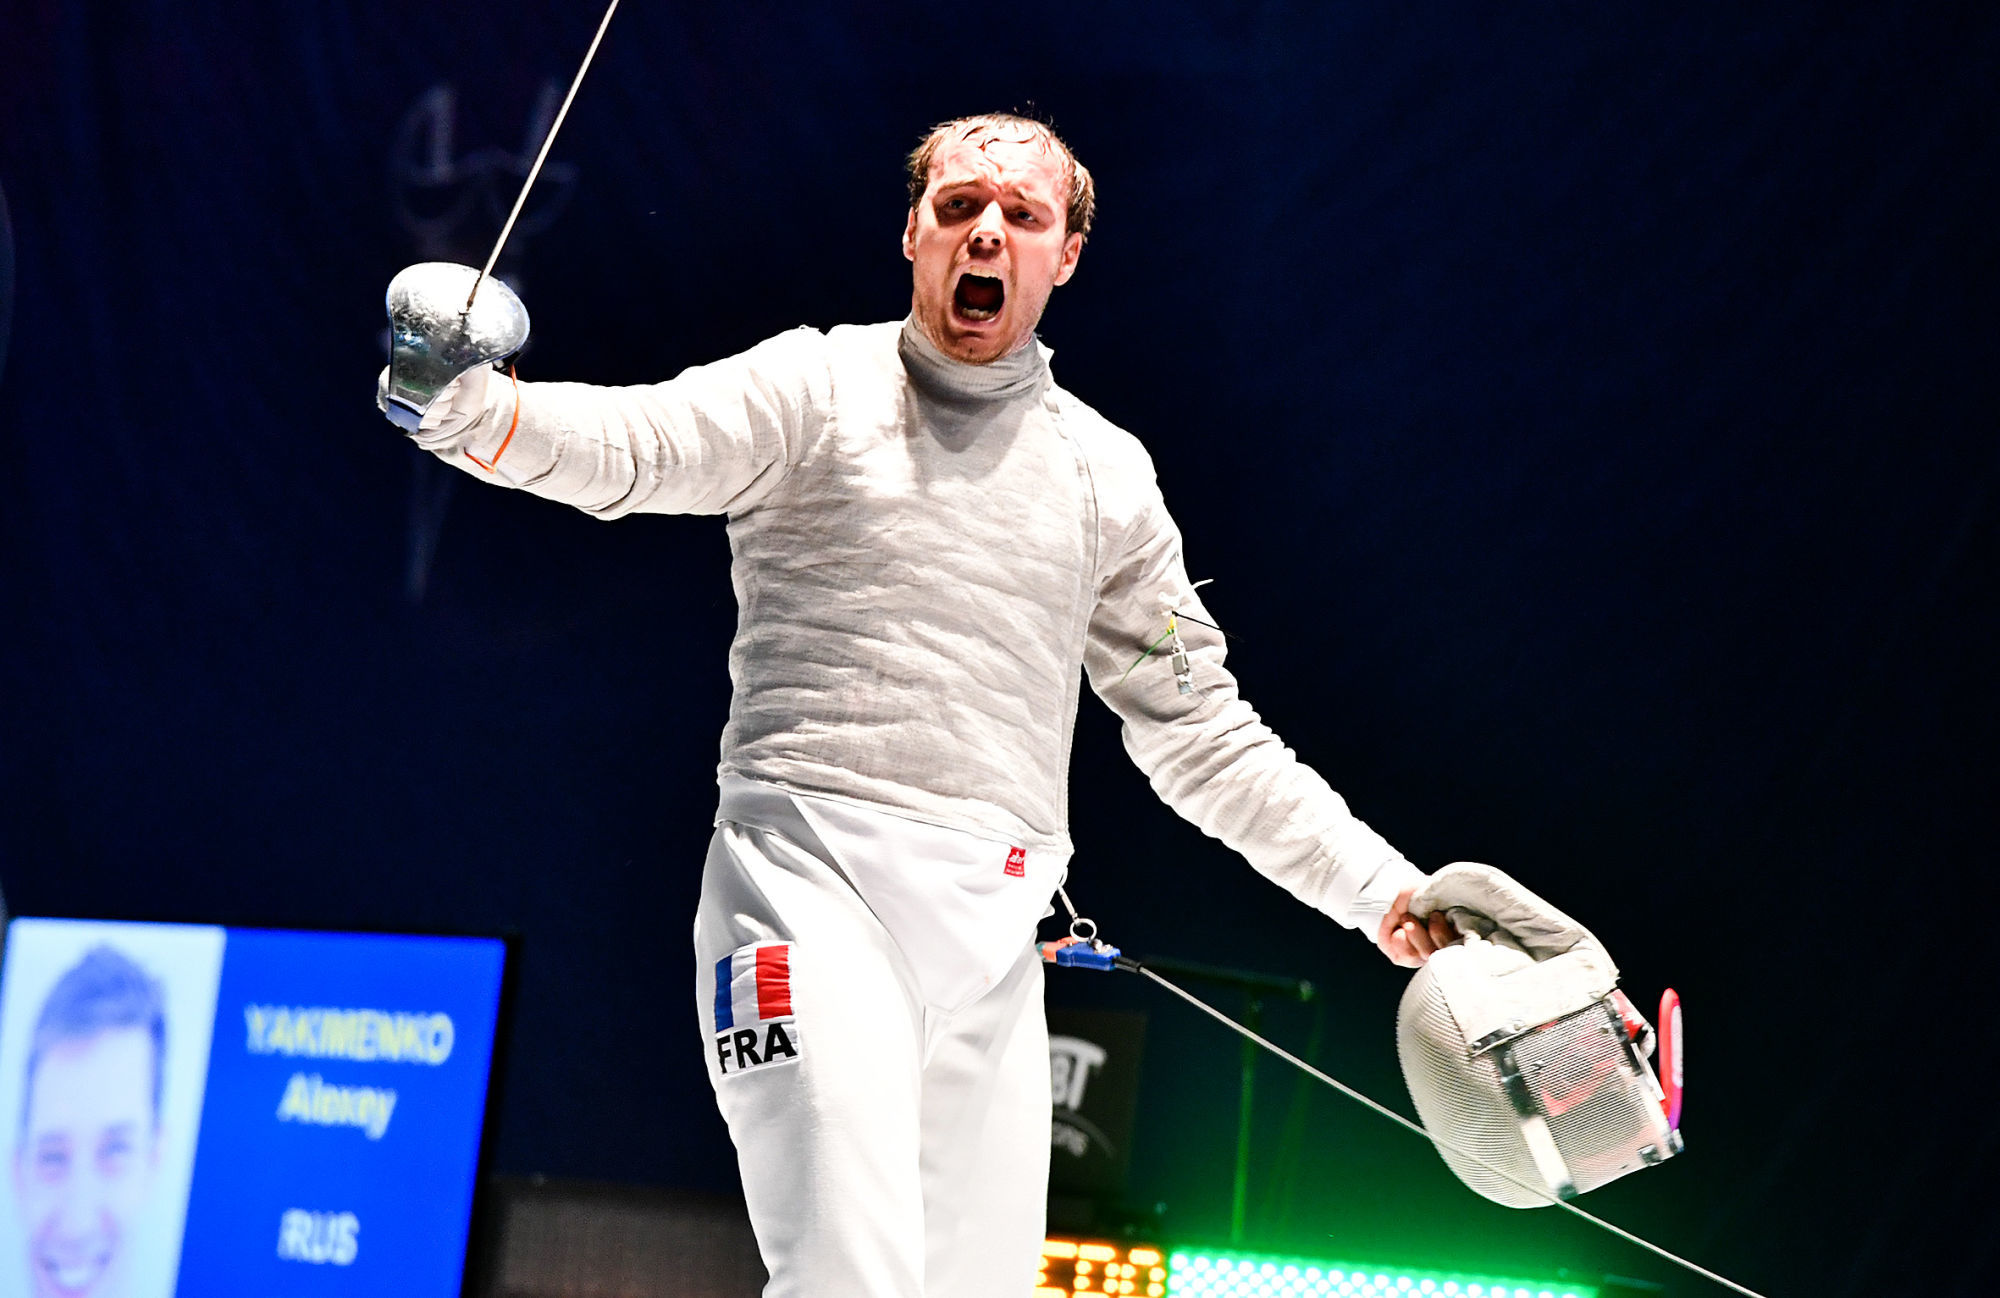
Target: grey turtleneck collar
1023, 372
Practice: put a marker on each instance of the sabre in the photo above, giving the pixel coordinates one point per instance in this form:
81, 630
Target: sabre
433, 340
536, 170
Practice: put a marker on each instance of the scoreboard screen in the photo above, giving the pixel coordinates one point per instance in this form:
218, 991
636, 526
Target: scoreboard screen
195, 1110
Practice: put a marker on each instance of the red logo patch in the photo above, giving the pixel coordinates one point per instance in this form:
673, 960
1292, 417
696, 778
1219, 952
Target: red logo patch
1017, 862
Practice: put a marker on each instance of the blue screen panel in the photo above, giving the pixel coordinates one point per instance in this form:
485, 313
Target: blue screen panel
318, 1123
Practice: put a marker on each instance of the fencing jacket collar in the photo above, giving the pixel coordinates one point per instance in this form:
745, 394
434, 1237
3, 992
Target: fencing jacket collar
1023, 372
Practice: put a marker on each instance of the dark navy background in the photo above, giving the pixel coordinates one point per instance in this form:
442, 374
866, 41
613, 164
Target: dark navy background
1587, 414
411, 1189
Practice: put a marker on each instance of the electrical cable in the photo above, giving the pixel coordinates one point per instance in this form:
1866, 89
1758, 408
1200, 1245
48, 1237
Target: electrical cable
1103, 956
1136, 966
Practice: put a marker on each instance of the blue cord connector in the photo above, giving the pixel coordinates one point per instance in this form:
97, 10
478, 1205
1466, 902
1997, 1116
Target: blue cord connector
1075, 953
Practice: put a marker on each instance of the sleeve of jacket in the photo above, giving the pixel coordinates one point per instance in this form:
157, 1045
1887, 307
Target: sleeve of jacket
1209, 755
712, 440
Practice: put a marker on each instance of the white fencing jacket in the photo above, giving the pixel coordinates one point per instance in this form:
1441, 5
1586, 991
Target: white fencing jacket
924, 551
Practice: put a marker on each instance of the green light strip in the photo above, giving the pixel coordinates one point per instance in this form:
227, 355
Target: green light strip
1218, 1273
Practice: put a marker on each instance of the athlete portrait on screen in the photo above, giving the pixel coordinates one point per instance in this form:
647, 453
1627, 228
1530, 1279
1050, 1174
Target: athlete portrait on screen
87, 1150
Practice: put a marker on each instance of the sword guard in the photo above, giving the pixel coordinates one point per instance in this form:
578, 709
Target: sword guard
434, 337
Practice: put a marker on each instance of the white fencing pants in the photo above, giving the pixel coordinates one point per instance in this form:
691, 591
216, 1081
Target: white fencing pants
887, 1150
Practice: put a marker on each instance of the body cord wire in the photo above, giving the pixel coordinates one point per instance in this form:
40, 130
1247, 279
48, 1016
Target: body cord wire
1130, 965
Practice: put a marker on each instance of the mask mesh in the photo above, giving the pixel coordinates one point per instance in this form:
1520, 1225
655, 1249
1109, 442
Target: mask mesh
1598, 1098
1601, 1101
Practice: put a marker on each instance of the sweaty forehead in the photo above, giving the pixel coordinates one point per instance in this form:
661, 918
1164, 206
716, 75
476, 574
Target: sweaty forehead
1020, 159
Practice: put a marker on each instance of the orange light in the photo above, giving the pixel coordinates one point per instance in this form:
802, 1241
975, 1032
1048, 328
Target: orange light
1100, 1267
1046, 1292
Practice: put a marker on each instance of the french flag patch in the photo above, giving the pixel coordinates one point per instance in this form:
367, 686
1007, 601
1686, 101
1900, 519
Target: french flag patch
754, 1024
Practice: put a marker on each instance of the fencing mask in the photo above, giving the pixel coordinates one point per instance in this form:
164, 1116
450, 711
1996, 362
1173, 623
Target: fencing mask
1526, 1064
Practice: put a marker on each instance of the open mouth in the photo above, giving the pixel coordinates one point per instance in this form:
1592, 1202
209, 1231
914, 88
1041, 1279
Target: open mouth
978, 295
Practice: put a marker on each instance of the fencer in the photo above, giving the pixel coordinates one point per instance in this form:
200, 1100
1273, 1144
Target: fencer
932, 541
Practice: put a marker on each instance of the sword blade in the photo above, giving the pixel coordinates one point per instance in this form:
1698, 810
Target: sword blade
536, 170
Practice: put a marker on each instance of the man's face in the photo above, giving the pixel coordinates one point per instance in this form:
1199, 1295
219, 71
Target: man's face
86, 1162
986, 243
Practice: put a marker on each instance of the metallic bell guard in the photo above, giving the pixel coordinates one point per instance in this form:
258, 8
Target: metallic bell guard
434, 337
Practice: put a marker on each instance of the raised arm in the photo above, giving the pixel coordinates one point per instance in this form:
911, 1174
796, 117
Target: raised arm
710, 441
